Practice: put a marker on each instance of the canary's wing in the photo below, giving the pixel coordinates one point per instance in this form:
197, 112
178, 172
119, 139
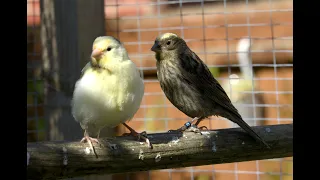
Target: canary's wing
140, 74
86, 67
200, 76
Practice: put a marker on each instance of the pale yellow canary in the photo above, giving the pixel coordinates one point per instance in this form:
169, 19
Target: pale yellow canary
109, 91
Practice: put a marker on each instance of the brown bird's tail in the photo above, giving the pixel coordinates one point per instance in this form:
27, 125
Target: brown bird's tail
247, 128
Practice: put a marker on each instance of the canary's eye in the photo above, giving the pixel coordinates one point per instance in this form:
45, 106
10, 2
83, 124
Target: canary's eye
109, 49
168, 42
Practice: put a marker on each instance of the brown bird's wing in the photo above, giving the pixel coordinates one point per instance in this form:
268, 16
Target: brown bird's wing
200, 76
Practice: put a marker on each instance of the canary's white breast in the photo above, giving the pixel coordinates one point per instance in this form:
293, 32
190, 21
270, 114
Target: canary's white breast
107, 99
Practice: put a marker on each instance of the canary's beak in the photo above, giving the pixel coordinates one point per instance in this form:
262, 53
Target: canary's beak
96, 53
156, 47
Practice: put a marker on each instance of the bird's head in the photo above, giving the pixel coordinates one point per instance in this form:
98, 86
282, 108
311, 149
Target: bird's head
107, 49
166, 45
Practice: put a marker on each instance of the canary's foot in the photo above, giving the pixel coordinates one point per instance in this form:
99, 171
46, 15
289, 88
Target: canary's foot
142, 135
86, 139
90, 140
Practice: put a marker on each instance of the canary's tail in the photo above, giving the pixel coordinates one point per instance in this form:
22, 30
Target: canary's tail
248, 129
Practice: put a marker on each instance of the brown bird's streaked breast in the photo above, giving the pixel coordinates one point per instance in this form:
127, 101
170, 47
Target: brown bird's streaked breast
177, 90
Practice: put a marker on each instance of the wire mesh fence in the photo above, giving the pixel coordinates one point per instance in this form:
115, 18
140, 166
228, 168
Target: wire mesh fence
35, 84
247, 45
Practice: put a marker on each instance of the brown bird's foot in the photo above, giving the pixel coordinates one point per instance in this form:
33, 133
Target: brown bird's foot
202, 128
88, 139
186, 126
142, 135
193, 128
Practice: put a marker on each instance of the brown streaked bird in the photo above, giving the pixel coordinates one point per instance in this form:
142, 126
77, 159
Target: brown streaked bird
189, 85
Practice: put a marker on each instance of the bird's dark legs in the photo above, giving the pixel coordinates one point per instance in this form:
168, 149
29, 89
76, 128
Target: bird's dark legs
142, 135
202, 127
188, 127
89, 139
198, 121
195, 128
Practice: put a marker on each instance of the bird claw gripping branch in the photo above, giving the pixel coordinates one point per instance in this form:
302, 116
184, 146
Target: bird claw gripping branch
189, 127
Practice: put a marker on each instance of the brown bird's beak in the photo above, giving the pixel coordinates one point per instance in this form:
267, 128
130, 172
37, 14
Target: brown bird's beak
156, 47
96, 53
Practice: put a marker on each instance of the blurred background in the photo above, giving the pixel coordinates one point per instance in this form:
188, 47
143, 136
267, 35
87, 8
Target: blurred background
247, 44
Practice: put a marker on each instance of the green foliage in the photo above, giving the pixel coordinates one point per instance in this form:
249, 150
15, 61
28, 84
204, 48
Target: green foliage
214, 71
35, 86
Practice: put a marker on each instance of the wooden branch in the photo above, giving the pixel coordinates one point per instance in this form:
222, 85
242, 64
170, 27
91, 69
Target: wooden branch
52, 160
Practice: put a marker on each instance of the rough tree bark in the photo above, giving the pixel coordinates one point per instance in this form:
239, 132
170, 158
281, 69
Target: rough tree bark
52, 160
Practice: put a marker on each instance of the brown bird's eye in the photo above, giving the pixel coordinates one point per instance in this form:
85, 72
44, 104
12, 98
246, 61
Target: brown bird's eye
168, 42
109, 49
